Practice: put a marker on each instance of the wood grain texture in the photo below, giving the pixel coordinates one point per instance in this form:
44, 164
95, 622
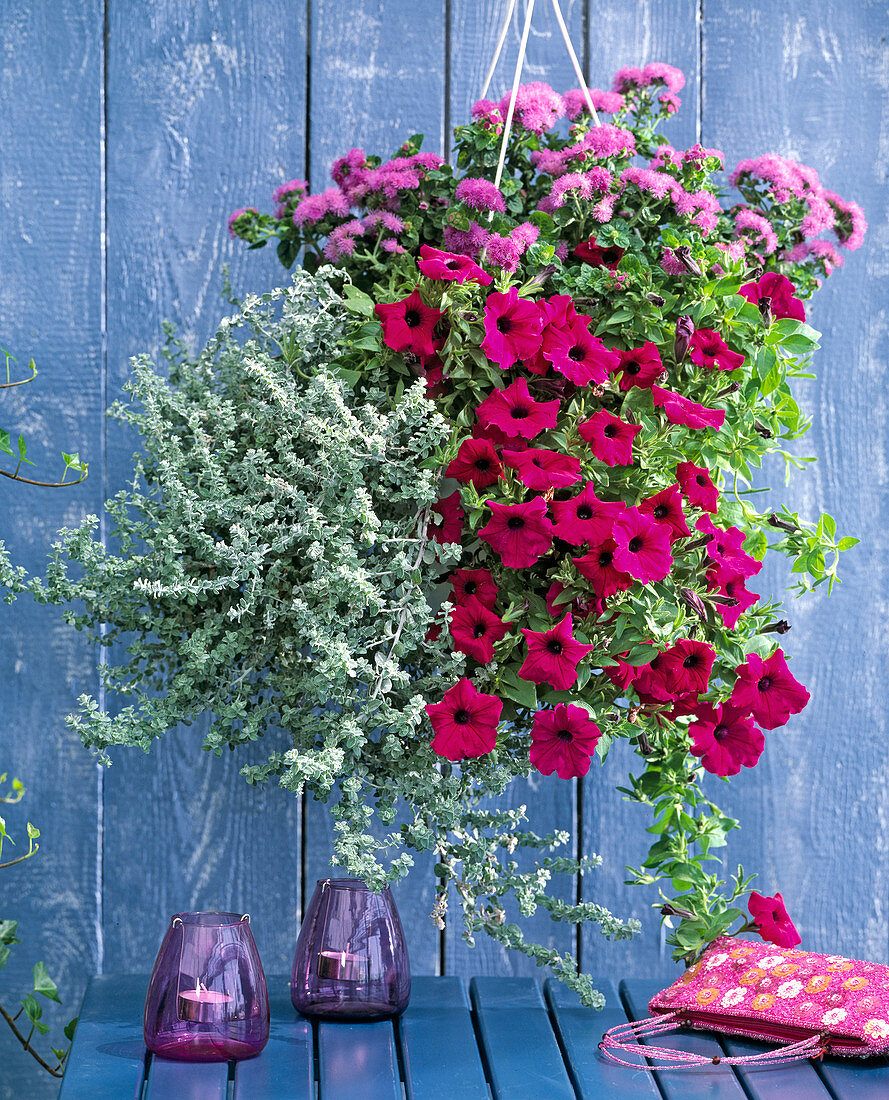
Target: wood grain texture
50, 307
206, 114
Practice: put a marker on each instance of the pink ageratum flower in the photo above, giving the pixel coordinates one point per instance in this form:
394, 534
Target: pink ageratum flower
639, 366
465, 722
512, 328
314, 208
435, 264
758, 227
585, 518
519, 533
503, 252
515, 412
725, 739
408, 324
450, 525
475, 584
610, 438
697, 486
708, 349
235, 219
642, 547
768, 691
661, 73
628, 78
599, 569
475, 629
480, 194
579, 355
591, 253
537, 107
476, 463
563, 741
553, 655
850, 225
576, 105
670, 264
688, 664
685, 412
541, 470
665, 508
772, 920
780, 290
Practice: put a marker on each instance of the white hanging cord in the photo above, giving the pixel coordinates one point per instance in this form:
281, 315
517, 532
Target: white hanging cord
574, 62
500, 42
520, 61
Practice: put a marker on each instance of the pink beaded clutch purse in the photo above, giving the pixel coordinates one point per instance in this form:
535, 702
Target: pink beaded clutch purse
812, 1004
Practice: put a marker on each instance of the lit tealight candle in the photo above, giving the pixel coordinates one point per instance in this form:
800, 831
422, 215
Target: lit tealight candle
341, 966
204, 1006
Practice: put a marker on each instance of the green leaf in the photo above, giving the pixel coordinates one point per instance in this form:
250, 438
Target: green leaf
356, 301
44, 984
4, 443
70, 1028
32, 1009
847, 543
23, 450
518, 690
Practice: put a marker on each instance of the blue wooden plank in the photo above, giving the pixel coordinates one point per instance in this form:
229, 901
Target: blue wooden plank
714, 1082
437, 1020
580, 1030
284, 1070
357, 1060
108, 1054
186, 1080
854, 1079
519, 1045
793, 1081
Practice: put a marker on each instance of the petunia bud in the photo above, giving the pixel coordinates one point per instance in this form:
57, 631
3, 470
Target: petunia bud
656, 300
702, 541
765, 310
783, 524
732, 387
685, 329
765, 432
538, 280
694, 601
684, 256
779, 627
671, 910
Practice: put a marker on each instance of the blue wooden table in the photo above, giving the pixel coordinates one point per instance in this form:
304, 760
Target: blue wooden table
502, 1038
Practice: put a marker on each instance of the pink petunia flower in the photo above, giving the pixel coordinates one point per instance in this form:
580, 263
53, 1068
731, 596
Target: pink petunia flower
450, 527
541, 470
553, 655
665, 507
725, 739
465, 722
697, 485
474, 584
512, 328
682, 410
688, 664
515, 412
563, 741
639, 366
475, 629
642, 547
580, 356
435, 264
519, 533
780, 290
590, 253
768, 691
708, 349
476, 463
734, 587
408, 324
725, 549
599, 569
585, 518
772, 920
610, 438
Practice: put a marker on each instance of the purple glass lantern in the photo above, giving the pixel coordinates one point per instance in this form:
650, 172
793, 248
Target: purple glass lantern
351, 960
207, 999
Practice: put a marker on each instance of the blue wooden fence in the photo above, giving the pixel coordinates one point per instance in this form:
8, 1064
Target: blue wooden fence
128, 131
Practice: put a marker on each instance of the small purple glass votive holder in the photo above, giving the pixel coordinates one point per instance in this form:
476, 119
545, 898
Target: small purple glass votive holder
351, 960
207, 999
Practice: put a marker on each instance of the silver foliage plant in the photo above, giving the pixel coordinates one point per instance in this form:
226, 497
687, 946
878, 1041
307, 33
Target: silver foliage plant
271, 568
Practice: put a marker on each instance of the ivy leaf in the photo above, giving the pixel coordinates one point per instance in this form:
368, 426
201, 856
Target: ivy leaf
44, 984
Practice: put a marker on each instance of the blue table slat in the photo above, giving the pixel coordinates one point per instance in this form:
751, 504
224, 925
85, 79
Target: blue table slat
171, 1080
792, 1081
856, 1079
108, 1056
285, 1069
580, 1030
437, 1038
714, 1082
520, 1047
358, 1061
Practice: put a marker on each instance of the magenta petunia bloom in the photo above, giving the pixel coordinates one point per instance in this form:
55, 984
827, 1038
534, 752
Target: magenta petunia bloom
697, 485
519, 533
666, 507
476, 462
515, 412
580, 356
599, 569
553, 655
480, 194
735, 588
708, 349
474, 584
435, 264
724, 550
585, 518
465, 722
543, 470
772, 920
639, 366
684, 411
475, 629
450, 526
780, 290
688, 664
642, 547
725, 739
563, 741
768, 691
498, 437
591, 253
408, 324
512, 328
610, 438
